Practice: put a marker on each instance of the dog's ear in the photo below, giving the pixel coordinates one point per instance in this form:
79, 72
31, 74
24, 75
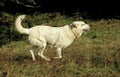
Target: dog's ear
73, 25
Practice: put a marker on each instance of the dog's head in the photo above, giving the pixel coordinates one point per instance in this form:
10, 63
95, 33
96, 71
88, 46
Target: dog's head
78, 27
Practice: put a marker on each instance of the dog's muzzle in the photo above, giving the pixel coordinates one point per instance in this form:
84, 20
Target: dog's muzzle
86, 29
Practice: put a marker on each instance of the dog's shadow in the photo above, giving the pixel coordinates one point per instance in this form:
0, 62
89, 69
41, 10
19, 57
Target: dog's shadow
26, 58
21, 58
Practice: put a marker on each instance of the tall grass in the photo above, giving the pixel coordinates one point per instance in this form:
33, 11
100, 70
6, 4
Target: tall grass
95, 54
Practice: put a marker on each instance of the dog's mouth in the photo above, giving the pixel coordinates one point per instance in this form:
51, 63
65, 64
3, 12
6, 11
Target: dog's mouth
85, 30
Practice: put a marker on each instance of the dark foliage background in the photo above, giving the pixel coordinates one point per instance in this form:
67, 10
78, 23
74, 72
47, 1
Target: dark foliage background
86, 8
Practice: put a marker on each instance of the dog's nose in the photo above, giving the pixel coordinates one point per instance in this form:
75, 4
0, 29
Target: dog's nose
88, 25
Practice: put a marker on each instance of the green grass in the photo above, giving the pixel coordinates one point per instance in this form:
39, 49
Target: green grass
96, 54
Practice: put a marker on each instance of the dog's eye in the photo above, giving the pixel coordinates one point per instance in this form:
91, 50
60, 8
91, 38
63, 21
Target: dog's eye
82, 24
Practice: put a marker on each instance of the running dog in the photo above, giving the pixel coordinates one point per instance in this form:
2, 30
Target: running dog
58, 37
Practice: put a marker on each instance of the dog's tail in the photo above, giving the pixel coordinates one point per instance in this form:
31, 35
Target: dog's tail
19, 27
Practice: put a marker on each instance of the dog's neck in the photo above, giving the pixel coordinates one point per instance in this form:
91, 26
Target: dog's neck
76, 33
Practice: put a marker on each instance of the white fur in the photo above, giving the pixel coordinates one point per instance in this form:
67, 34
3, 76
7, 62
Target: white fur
57, 37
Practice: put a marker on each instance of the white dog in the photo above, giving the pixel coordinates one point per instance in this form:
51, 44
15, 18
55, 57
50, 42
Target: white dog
58, 37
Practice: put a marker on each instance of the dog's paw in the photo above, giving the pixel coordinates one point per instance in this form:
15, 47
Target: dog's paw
47, 59
57, 57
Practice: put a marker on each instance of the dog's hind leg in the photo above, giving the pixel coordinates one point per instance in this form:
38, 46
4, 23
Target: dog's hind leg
40, 53
31, 51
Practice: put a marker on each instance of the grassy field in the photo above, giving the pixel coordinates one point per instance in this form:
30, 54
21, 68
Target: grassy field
96, 54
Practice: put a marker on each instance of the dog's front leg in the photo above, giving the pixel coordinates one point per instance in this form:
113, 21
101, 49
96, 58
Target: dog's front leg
59, 54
